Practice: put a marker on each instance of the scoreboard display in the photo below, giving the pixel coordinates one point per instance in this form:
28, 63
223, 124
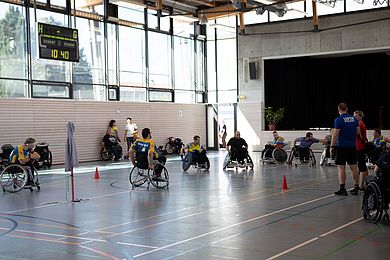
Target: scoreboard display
58, 43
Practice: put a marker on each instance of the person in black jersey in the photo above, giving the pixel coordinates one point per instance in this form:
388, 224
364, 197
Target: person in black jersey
237, 147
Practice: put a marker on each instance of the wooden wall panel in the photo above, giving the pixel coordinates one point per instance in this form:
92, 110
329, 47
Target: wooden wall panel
46, 121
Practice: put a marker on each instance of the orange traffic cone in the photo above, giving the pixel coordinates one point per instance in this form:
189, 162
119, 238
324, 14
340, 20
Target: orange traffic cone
284, 183
97, 177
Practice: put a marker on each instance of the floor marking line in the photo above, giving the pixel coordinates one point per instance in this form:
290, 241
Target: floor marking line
314, 239
175, 211
100, 252
53, 235
341, 227
138, 220
293, 248
130, 244
43, 225
234, 225
43, 239
206, 211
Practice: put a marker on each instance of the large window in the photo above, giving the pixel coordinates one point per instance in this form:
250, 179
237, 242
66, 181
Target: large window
90, 69
12, 44
184, 63
184, 96
132, 57
53, 90
294, 11
211, 68
355, 5
130, 12
227, 68
159, 48
200, 66
133, 94
89, 92
112, 54
12, 88
95, 7
323, 9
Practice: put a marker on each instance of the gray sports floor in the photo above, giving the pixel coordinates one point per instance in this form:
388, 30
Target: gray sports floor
203, 215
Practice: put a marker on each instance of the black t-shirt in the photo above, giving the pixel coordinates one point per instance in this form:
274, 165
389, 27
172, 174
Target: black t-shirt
237, 143
110, 141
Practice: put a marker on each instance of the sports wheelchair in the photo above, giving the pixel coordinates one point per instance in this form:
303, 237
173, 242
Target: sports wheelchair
141, 173
296, 155
46, 158
233, 163
15, 177
273, 154
4, 155
377, 197
109, 153
188, 160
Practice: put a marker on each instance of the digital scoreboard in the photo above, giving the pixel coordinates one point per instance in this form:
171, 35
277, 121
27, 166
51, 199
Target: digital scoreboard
58, 43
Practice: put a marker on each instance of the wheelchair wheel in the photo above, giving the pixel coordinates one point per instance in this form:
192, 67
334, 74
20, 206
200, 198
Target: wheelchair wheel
169, 149
372, 203
187, 161
164, 182
290, 157
49, 160
313, 160
207, 163
323, 158
13, 178
104, 155
138, 176
279, 155
226, 162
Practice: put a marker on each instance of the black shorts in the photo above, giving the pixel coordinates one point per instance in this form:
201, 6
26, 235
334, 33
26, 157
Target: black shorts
361, 160
345, 155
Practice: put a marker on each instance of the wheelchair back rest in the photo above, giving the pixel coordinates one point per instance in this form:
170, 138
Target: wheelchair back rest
7, 150
43, 150
142, 160
384, 176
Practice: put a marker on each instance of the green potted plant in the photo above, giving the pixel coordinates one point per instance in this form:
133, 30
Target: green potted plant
273, 116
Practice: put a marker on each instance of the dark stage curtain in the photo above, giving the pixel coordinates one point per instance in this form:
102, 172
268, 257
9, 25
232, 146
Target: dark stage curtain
309, 88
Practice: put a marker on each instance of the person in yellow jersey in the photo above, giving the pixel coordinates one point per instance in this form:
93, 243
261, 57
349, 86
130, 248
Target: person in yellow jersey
143, 152
24, 154
196, 151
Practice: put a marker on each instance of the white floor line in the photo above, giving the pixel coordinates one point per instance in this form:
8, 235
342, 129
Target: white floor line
53, 235
197, 213
137, 245
341, 227
233, 225
218, 202
293, 248
314, 239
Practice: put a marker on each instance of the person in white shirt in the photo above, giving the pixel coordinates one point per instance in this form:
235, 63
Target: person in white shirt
130, 133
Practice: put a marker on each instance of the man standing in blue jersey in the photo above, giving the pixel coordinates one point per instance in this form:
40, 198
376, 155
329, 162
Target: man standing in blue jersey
346, 127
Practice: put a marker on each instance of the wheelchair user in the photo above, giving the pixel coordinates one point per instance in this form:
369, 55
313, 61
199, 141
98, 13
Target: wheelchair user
304, 145
25, 155
143, 152
111, 145
196, 151
278, 141
238, 148
375, 148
